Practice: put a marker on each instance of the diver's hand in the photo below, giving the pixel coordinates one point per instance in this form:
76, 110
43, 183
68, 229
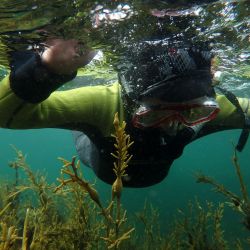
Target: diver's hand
65, 56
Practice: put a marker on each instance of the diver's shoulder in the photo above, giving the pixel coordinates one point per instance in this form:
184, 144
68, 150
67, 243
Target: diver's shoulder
111, 86
5, 79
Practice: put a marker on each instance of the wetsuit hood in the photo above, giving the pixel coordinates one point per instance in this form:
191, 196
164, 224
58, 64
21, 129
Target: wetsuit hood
168, 73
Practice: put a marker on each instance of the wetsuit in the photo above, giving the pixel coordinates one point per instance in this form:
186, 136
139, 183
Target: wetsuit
28, 100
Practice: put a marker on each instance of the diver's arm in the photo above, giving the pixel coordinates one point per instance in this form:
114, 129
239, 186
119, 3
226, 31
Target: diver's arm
84, 108
228, 117
72, 109
35, 78
87, 109
66, 56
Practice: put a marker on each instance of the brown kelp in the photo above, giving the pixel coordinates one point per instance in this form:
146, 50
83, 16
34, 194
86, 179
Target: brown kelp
239, 203
36, 215
198, 228
114, 236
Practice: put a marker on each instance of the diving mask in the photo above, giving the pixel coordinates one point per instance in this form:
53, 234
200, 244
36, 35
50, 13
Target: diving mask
189, 113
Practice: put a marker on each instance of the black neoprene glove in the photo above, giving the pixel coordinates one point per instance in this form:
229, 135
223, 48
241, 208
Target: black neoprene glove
31, 80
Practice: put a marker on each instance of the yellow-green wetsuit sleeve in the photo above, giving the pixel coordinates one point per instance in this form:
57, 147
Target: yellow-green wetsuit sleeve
229, 117
92, 106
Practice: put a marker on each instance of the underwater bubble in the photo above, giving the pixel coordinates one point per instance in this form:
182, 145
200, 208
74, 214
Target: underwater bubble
114, 26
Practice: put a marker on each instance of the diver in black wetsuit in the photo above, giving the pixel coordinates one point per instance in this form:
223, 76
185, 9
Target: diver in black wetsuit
164, 93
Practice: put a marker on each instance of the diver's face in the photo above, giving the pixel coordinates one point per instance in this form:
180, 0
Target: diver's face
172, 127
152, 116
172, 117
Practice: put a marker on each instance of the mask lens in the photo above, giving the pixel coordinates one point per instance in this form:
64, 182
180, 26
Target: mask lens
190, 114
197, 114
150, 117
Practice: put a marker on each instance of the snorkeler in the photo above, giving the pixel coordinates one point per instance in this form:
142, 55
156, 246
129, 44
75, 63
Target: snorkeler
165, 95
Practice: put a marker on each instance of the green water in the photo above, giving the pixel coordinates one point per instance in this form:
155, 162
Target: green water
228, 24
210, 155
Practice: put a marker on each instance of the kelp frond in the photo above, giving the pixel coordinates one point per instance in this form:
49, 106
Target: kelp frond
76, 217
234, 199
8, 236
241, 203
38, 182
122, 145
122, 156
243, 187
201, 228
71, 169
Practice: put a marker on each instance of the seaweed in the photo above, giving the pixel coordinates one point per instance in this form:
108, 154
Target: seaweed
113, 236
8, 236
36, 215
149, 219
199, 228
241, 204
202, 228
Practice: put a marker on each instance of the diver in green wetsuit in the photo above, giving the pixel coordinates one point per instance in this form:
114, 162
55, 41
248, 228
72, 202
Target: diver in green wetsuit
164, 94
